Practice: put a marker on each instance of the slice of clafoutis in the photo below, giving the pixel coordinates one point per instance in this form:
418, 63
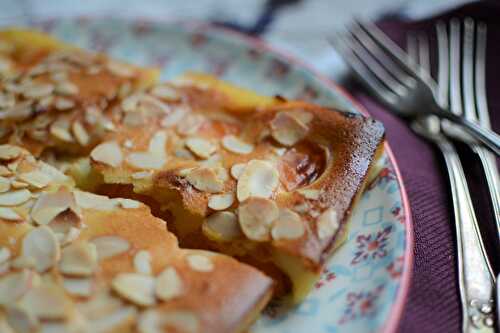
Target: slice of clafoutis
56, 97
73, 261
268, 181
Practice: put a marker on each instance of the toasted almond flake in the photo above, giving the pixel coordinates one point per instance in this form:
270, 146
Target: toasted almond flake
155, 321
45, 102
110, 246
237, 170
79, 259
146, 160
174, 117
9, 152
16, 184
80, 133
190, 124
165, 92
168, 284
142, 175
21, 320
62, 104
89, 200
128, 203
23, 262
41, 244
311, 194
9, 214
66, 88
236, 145
78, 286
125, 89
59, 76
142, 262
205, 179
137, 288
256, 216
288, 225
36, 178
287, 130
222, 226
14, 198
184, 172
115, 321
14, 285
108, 153
301, 115
120, 69
4, 254
259, 179
327, 224
38, 90
70, 236
50, 205
4, 171
158, 143
220, 201
130, 103
60, 130
46, 302
302, 207
20, 111
201, 147
200, 263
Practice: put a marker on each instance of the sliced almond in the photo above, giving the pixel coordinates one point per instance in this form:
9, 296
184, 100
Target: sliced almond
128, 203
142, 262
136, 288
222, 226
110, 246
327, 224
60, 130
89, 200
221, 201
205, 179
287, 130
78, 286
47, 302
236, 145
142, 175
259, 179
237, 170
66, 88
38, 90
146, 160
9, 152
108, 153
14, 198
122, 318
158, 143
201, 147
79, 259
165, 92
174, 117
200, 263
190, 124
21, 320
311, 194
155, 321
80, 133
16, 184
42, 245
120, 69
4, 254
50, 205
168, 284
301, 115
36, 178
288, 225
62, 104
4, 184
256, 216
14, 285
9, 214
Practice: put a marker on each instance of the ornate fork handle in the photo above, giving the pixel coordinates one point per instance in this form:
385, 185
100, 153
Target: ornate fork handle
476, 280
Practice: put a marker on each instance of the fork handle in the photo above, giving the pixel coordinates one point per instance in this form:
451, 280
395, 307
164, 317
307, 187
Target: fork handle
476, 280
487, 137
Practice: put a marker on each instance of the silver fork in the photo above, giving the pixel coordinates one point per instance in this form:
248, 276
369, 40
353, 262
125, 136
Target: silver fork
399, 83
475, 107
378, 70
476, 279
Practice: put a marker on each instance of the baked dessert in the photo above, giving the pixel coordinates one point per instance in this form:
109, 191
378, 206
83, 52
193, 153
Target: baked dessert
267, 181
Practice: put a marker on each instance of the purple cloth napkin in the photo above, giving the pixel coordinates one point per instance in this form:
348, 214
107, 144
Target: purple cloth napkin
433, 304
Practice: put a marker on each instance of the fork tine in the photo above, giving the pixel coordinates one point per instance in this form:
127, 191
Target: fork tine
480, 79
411, 49
363, 72
388, 45
378, 53
378, 70
424, 55
455, 86
468, 70
443, 65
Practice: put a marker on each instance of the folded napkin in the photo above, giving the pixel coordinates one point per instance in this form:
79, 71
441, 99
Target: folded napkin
433, 304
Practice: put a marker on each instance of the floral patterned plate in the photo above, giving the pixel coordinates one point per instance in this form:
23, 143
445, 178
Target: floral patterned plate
364, 284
